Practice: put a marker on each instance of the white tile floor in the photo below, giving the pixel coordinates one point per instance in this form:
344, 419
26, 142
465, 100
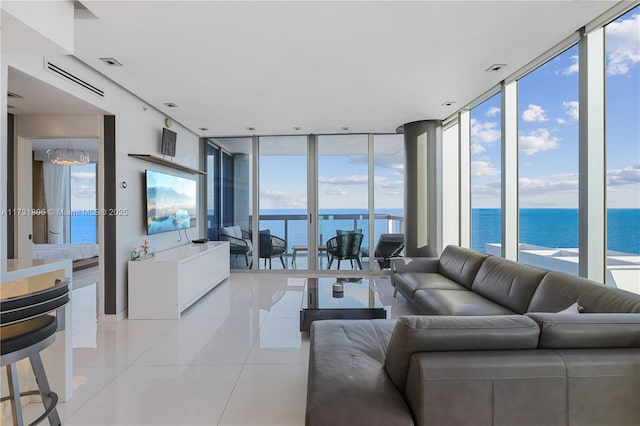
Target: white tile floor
235, 358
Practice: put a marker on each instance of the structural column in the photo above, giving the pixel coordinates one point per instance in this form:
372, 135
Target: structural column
422, 205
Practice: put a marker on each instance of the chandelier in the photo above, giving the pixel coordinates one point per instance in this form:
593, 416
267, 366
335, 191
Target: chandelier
68, 156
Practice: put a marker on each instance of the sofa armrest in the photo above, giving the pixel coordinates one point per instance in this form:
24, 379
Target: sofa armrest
414, 264
569, 331
435, 333
347, 383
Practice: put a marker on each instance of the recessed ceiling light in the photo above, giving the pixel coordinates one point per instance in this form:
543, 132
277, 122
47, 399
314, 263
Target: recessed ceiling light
13, 95
344, 129
297, 128
204, 129
448, 103
496, 67
171, 105
112, 62
251, 128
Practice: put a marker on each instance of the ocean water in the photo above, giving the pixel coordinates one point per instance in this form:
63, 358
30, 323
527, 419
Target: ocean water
544, 227
556, 228
83, 229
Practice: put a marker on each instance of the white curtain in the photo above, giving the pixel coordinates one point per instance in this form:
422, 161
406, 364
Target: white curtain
56, 184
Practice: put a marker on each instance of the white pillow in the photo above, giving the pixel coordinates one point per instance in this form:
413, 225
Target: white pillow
573, 309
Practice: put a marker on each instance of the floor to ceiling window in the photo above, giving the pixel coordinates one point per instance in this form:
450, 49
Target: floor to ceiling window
231, 197
213, 191
388, 186
485, 176
343, 192
548, 164
622, 109
450, 186
83, 203
283, 202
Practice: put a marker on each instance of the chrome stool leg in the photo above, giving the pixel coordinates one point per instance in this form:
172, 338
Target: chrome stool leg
45, 391
14, 392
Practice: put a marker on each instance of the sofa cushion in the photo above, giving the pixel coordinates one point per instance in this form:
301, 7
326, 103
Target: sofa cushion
455, 302
460, 264
450, 333
558, 290
407, 283
231, 231
588, 330
347, 383
508, 283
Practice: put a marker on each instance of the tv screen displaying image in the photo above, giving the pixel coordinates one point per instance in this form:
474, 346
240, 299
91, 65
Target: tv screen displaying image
171, 202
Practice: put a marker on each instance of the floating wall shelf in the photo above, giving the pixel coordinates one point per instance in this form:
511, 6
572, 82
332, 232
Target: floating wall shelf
158, 160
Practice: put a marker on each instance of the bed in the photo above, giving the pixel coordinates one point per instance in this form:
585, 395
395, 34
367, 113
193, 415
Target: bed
83, 255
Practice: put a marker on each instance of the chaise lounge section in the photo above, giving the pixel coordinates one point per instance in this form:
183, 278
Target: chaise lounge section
490, 348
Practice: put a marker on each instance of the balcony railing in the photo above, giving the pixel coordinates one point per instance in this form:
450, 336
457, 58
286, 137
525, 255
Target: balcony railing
293, 227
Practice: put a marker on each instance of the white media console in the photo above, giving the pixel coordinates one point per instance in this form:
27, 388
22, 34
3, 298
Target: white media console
167, 284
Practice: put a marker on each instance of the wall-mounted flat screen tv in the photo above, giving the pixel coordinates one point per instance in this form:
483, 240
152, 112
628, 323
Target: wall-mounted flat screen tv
171, 202
168, 145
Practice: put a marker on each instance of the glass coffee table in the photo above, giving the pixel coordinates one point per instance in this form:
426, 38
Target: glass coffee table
356, 301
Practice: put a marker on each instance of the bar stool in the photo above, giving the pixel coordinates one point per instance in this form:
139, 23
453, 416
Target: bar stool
25, 330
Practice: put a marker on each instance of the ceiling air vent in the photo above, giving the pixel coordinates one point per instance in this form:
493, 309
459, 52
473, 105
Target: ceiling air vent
73, 79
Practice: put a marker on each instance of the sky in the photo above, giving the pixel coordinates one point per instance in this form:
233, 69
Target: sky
548, 129
83, 187
342, 175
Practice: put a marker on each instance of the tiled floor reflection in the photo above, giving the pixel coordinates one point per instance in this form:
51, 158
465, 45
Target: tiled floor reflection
236, 357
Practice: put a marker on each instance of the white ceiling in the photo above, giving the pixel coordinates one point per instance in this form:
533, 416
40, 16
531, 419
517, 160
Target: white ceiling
369, 66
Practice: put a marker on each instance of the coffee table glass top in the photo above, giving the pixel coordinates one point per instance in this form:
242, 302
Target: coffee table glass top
356, 294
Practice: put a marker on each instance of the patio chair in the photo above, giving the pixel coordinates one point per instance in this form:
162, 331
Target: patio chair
239, 241
272, 246
345, 246
388, 246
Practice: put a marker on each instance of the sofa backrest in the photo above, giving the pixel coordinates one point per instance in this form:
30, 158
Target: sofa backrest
559, 290
579, 331
460, 264
440, 333
507, 283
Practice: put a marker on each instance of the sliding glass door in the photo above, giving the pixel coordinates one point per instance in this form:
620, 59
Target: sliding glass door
343, 200
283, 202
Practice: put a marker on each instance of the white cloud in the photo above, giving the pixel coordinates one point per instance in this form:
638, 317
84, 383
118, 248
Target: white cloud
385, 182
561, 120
572, 109
623, 45
335, 191
477, 149
573, 68
483, 168
277, 199
345, 180
545, 186
493, 111
628, 175
483, 134
536, 141
83, 175
534, 113
486, 132
84, 191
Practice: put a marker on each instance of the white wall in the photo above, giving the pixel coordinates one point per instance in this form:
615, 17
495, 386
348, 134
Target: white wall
138, 130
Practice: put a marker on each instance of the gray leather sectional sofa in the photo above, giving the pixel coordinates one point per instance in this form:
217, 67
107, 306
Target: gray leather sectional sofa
488, 348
